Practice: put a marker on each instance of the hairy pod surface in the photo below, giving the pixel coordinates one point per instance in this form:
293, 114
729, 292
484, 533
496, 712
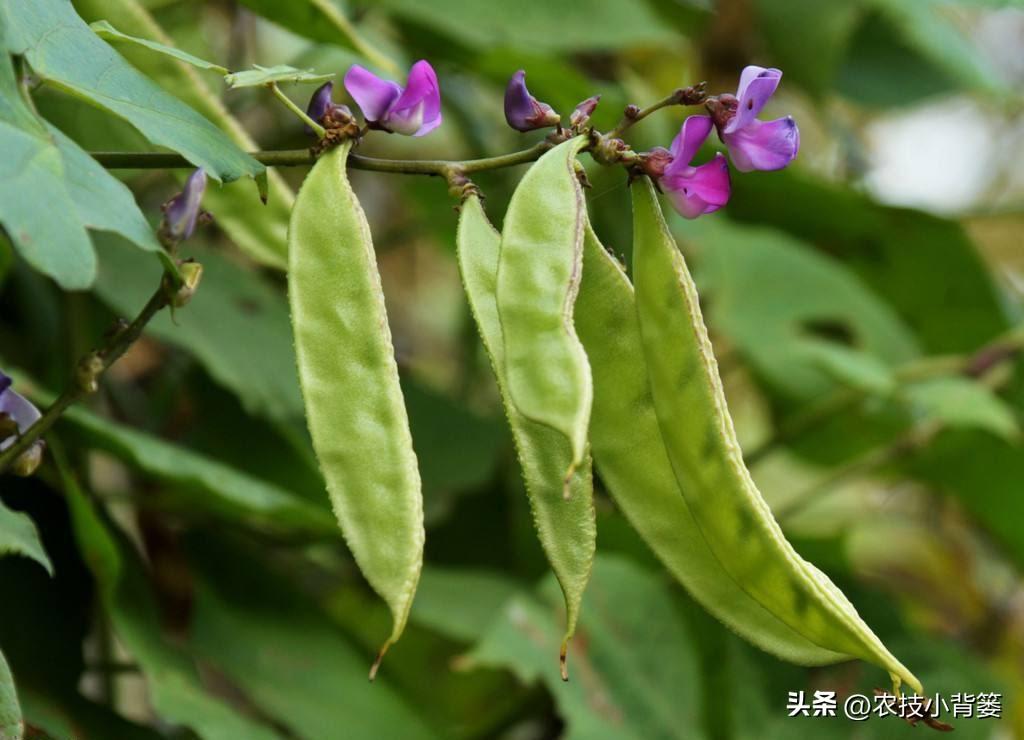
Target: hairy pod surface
349, 378
566, 527
708, 463
538, 276
630, 456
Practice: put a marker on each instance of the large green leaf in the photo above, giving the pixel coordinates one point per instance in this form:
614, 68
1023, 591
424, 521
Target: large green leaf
10, 711
18, 536
541, 25
770, 294
638, 675
65, 52
258, 231
923, 266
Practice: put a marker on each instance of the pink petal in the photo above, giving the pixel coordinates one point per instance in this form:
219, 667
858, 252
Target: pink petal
694, 131
764, 145
757, 85
699, 190
419, 103
373, 95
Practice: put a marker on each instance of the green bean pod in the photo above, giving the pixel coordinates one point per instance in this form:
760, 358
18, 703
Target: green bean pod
349, 378
630, 455
566, 528
538, 276
708, 463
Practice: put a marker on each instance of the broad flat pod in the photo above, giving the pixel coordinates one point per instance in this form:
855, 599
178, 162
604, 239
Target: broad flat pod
631, 458
349, 378
708, 463
538, 277
566, 528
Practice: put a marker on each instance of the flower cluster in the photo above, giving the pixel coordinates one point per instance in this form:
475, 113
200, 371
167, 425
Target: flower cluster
753, 144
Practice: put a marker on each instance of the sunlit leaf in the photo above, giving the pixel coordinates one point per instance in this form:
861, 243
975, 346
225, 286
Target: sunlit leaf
65, 53
961, 402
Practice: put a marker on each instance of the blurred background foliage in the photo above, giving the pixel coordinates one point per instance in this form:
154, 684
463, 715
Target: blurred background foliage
200, 586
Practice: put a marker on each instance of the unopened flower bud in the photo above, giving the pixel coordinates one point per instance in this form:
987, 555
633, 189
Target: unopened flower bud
523, 111
88, 371
319, 103
191, 273
28, 461
654, 162
181, 211
583, 111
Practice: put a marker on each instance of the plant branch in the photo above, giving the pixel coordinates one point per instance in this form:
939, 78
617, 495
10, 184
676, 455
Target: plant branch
303, 157
88, 372
693, 95
301, 114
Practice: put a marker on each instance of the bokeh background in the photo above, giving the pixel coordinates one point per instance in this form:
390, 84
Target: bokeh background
200, 586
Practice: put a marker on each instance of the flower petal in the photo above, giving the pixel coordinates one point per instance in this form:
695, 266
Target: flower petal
5, 382
694, 131
419, 103
183, 209
320, 101
754, 91
372, 94
699, 190
18, 408
764, 145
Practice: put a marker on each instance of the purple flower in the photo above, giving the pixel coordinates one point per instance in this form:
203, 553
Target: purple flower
583, 111
523, 111
324, 110
14, 408
695, 190
414, 110
181, 211
754, 144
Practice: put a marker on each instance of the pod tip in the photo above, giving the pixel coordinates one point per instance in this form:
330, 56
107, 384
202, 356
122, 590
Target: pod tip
562, 661
377, 661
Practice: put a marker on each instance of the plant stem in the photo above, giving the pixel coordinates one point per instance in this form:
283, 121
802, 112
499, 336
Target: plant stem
87, 373
317, 128
303, 157
693, 95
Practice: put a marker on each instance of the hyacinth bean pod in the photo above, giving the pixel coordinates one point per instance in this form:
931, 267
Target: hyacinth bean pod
708, 462
538, 277
566, 528
349, 378
630, 456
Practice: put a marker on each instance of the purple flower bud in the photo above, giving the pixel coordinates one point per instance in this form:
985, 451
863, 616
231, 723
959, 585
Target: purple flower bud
523, 111
15, 408
414, 110
755, 144
181, 211
320, 102
695, 191
584, 110
654, 162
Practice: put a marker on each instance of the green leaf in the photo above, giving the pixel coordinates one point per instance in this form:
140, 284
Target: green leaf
257, 230
849, 366
284, 653
37, 211
18, 536
104, 30
203, 484
236, 325
962, 402
540, 25
10, 711
638, 677
103, 202
64, 52
278, 73
771, 293
461, 603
